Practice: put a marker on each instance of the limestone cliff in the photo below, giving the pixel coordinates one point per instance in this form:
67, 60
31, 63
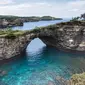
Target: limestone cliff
67, 36
13, 47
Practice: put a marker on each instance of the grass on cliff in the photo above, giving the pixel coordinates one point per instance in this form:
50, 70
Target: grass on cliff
11, 34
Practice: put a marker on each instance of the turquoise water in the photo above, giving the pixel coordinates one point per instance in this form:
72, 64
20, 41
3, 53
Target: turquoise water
41, 64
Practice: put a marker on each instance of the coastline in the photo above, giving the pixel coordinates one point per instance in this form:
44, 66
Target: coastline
13, 21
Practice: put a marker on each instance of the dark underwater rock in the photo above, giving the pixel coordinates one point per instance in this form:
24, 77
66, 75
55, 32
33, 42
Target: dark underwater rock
2, 83
2, 73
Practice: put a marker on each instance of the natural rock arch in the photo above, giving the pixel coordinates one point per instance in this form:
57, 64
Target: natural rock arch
58, 35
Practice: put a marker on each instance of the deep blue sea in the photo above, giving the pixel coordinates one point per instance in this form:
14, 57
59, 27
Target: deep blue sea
40, 64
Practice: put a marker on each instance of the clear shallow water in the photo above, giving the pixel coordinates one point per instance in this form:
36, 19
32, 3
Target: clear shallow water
40, 65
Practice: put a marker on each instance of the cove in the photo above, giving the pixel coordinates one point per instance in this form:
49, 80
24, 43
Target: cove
41, 64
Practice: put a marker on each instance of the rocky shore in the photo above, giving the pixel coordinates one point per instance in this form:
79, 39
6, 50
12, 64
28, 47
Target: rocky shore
4, 23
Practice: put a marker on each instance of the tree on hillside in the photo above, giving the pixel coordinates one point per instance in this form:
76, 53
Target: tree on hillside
75, 19
83, 16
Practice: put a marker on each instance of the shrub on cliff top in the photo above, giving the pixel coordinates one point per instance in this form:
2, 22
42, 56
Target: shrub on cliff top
10, 36
36, 30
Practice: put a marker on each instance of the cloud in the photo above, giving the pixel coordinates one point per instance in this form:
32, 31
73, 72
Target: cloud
67, 9
75, 8
6, 2
78, 3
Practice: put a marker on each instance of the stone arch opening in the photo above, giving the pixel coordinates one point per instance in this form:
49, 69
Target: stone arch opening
34, 45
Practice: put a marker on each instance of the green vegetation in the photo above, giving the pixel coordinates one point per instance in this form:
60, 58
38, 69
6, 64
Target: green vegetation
36, 30
75, 19
79, 23
28, 19
79, 18
50, 18
11, 34
83, 16
8, 18
43, 18
11, 21
41, 29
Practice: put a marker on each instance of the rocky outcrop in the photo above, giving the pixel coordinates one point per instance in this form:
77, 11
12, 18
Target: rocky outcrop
5, 23
13, 47
77, 79
16, 22
67, 36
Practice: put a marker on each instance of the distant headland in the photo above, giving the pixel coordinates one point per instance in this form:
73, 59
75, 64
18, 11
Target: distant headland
11, 21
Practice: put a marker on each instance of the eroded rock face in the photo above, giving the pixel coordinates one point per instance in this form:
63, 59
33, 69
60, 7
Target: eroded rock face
12, 47
66, 37
7, 23
2, 73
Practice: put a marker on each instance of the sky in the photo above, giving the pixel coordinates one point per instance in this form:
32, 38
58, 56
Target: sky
56, 8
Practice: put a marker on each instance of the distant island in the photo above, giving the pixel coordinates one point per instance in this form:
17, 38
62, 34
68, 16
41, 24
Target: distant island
10, 21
